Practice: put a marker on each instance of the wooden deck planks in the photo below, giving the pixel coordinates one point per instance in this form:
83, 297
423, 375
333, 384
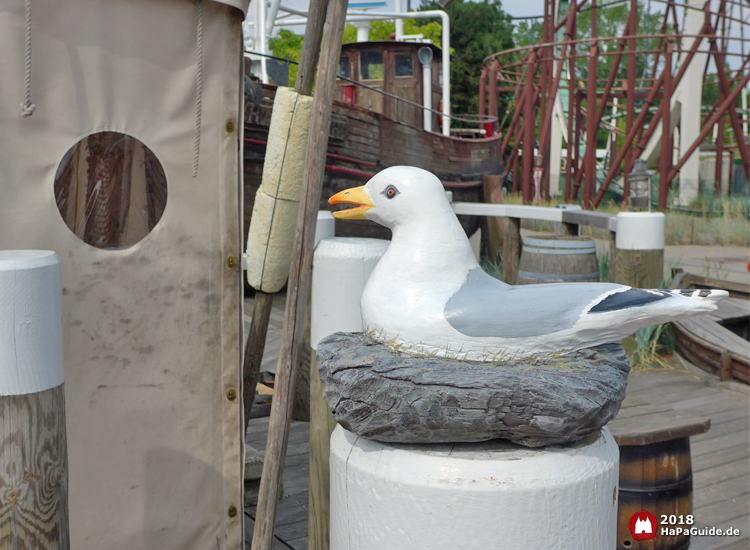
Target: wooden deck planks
721, 457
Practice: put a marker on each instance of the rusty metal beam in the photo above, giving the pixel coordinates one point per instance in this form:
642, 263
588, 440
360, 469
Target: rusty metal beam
630, 108
589, 183
529, 127
713, 120
628, 140
736, 125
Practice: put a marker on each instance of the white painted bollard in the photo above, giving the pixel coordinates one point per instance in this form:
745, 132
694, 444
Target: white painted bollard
341, 267
639, 249
478, 496
33, 448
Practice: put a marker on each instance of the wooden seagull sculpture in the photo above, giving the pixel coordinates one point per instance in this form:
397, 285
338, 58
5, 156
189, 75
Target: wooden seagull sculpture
428, 295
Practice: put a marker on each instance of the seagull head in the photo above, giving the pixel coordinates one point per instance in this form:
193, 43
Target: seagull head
395, 195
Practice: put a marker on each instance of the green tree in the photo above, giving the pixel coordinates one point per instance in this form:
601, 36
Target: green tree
383, 29
611, 22
478, 29
286, 43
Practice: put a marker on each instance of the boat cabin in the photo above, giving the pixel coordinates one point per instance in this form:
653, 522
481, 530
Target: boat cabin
395, 68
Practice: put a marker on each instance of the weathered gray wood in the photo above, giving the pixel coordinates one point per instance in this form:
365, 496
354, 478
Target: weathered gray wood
493, 194
656, 426
378, 393
321, 427
592, 219
639, 268
511, 248
34, 471
254, 346
292, 508
299, 274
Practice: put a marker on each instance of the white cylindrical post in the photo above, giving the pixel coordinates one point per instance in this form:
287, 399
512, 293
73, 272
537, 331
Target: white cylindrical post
639, 244
341, 267
33, 448
261, 39
325, 228
427, 95
483, 496
399, 21
363, 31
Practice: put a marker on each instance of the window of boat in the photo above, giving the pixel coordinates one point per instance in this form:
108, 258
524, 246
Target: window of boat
111, 190
371, 65
344, 67
404, 65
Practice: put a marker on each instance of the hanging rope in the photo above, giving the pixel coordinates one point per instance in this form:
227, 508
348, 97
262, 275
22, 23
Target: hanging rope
198, 90
27, 107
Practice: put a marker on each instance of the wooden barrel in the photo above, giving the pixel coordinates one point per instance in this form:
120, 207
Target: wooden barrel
656, 478
554, 259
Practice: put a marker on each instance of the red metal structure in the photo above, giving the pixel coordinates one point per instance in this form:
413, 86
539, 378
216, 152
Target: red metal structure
701, 44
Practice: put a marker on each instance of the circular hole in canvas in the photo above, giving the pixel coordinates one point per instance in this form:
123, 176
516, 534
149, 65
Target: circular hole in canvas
111, 190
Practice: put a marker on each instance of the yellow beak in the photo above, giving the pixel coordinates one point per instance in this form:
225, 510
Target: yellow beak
357, 196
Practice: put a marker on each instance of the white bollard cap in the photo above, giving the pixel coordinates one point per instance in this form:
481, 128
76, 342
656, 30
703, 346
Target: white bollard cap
341, 267
31, 347
640, 231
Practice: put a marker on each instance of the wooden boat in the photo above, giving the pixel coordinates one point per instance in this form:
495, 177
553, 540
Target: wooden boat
371, 131
717, 342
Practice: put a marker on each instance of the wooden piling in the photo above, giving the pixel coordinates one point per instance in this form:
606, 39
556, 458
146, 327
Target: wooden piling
299, 276
511, 249
33, 445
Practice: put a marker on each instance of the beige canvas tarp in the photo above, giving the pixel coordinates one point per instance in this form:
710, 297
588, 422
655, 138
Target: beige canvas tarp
152, 332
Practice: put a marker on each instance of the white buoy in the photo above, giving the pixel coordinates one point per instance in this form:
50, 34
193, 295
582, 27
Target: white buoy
478, 496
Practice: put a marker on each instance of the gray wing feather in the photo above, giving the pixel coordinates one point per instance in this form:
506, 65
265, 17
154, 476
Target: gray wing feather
486, 307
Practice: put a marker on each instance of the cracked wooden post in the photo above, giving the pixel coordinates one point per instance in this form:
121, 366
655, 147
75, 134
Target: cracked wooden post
639, 249
33, 447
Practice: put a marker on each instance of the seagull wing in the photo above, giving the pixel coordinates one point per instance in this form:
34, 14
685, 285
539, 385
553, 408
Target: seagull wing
486, 307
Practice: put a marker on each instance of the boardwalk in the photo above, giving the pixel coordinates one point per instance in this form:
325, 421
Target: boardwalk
721, 457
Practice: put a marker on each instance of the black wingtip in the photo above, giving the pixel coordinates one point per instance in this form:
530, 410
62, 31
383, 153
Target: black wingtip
633, 297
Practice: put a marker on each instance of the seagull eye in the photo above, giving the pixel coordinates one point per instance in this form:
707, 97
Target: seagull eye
390, 192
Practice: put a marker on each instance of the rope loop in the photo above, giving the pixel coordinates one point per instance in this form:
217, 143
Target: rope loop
27, 107
198, 89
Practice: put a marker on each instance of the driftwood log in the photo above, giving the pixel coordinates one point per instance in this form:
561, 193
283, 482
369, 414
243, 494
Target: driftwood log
392, 397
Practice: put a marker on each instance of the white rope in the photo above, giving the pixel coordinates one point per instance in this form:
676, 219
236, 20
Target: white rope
27, 107
198, 90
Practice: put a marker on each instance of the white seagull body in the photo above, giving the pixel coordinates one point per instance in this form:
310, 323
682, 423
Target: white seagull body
428, 295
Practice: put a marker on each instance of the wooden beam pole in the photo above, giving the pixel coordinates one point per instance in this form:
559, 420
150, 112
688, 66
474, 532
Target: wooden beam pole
299, 275
256, 338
